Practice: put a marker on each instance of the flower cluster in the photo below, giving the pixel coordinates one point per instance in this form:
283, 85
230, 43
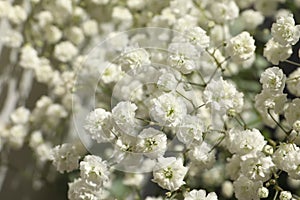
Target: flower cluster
173, 99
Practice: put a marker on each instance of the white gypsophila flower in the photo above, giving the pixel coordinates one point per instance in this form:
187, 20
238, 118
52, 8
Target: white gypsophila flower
44, 72
152, 142
136, 4
65, 51
54, 113
36, 139
52, 34
17, 136
251, 19
223, 11
44, 18
98, 125
257, 166
221, 95
65, 157
12, 38
296, 125
263, 192
134, 58
275, 52
286, 158
200, 194
154, 198
75, 35
241, 47
29, 57
197, 37
168, 110
122, 14
123, 115
79, 190
285, 195
284, 30
202, 155
17, 14
63, 83
293, 82
169, 173
227, 189
190, 130
292, 113
268, 103
5, 8
20, 115
167, 82
43, 152
185, 22
245, 141
90, 27
182, 56
246, 189
112, 73
273, 79
180, 7
94, 171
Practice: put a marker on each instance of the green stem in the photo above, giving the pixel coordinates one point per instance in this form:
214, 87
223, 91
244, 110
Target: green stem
278, 124
292, 62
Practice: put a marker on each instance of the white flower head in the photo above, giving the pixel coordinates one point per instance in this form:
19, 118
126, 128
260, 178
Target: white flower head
29, 57
285, 195
293, 82
20, 116
65, 157
190, 130
65, 51
152, 142
98, 124
167, 82
252, 19
200, 194
123, 115
79, 190
169, 173
284, 30
275, 52
197, 37
17, 136
273, 79
257, 167
246, 189
168, 109
223, 11
182, 55
94, 171
134, 58
292, 112
202, 155
246, 141
221, 95
241, 47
